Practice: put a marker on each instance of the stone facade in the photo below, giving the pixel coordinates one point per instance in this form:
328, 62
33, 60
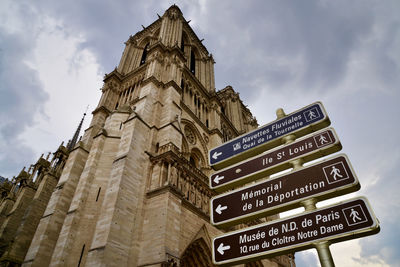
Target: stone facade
134, 190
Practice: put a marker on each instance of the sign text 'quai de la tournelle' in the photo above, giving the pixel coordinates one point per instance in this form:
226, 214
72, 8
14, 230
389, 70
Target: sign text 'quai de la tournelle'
301, 122
343, 221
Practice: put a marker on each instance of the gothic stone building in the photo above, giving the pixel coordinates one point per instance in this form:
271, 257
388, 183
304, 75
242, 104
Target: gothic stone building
134, 190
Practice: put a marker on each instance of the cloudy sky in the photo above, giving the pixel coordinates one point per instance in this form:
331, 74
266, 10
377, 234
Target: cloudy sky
54, 54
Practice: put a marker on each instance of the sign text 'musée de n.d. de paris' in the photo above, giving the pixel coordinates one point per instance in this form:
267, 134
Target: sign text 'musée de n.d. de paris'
339, 222
301, 122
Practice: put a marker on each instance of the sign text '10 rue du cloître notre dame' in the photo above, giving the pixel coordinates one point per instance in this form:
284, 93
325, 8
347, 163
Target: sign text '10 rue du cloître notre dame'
322, 180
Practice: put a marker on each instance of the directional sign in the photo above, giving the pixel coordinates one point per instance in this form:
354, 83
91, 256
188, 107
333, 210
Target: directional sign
301, 122
329, 178
308, 148
339, 222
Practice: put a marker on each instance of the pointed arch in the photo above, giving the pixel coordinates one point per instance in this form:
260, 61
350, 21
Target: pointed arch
196, 158
203, 147
197, 254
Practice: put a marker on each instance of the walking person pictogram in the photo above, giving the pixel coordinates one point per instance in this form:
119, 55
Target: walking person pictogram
312, 115
335, 172
322, 139
354, 215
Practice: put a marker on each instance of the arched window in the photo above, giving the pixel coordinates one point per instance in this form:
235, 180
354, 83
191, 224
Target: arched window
144, 55
192, 161
183, 44
196, 158
192, 62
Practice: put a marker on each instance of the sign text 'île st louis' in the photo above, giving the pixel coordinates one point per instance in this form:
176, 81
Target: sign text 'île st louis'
322, 180
301, 122
308, 148
302, 186
343, 221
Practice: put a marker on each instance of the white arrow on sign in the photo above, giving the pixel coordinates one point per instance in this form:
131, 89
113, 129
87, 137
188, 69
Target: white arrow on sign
218, 178
220, 208
216, 155
221, 248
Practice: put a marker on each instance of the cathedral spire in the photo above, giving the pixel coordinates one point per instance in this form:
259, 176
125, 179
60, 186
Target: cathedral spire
74, 139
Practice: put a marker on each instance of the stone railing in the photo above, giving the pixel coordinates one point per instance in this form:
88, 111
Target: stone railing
171, 169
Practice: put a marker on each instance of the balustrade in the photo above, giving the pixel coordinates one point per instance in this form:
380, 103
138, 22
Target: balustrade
171, 168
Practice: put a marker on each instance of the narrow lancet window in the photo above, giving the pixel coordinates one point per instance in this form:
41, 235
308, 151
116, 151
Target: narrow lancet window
144, 55
192, 63
182, 44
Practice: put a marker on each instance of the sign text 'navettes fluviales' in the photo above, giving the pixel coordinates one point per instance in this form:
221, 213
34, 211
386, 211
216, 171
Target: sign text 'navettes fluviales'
301, 122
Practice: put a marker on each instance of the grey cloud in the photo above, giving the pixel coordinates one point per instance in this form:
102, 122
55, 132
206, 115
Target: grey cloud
21, 98
368, 123
254, 43
261, 39
306, 259
106, 25
384, 199
249, 41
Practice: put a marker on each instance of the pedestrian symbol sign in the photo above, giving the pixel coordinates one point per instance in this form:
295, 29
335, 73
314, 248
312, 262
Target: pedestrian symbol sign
322, 139
335, 173
354, 215
311, 114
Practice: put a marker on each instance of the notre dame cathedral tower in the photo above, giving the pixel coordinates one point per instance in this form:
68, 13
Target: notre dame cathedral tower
134, 190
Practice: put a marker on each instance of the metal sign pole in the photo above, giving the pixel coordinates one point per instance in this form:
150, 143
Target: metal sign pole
324, 253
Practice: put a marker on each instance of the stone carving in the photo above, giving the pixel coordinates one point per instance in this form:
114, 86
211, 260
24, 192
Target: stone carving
190, 136
205, 138
173, 14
